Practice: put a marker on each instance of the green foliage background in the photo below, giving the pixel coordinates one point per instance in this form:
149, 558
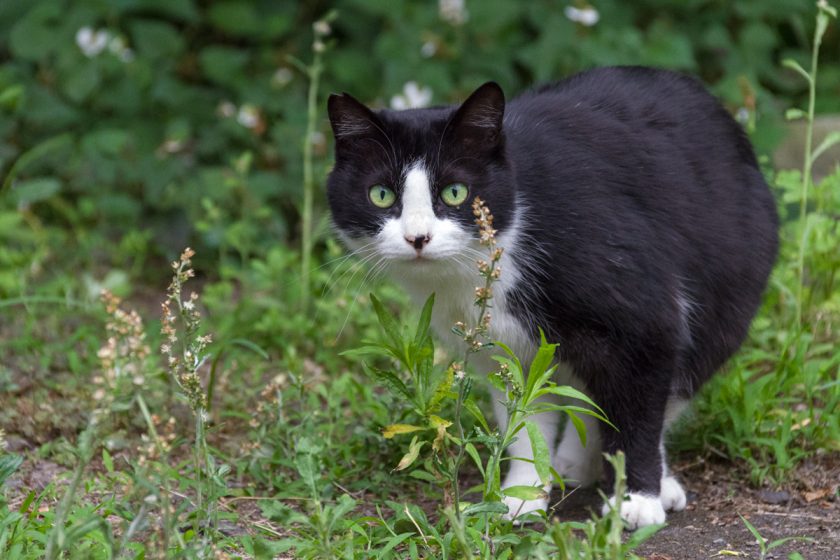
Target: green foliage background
130, 129
142, 154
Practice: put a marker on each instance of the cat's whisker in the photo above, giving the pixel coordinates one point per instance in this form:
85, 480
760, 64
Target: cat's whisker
355, 268
362, 251
355, 297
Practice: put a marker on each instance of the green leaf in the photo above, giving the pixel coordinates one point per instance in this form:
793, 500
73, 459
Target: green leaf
473, 452
392, 543
367, 350
107, 461
568, 391
388, 322
35, 190
476, 413
11, 97
390, 380
107, 141
413, 451
34, 36
780, 542
793, 65
580, 427
35, 153
441, 391
762, 542
830, 140
79, 530
828, 8
795, 113
642, 534
425, 320
250, 20
396, 429
580, 410
542, 457
156, 39
525, 492
497, 508
8, 465
539, 366
81, 84
223, 65
421, 474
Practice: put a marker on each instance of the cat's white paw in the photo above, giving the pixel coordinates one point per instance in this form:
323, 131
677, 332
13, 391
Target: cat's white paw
638, 510
672, 494
517, 508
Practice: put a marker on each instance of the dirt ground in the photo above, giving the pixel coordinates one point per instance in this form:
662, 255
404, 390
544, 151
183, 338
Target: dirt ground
710, 527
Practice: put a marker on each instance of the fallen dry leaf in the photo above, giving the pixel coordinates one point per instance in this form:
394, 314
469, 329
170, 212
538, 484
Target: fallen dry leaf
816, 495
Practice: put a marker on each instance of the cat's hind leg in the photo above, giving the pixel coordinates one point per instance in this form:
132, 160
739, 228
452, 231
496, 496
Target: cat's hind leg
671, 492
579, 464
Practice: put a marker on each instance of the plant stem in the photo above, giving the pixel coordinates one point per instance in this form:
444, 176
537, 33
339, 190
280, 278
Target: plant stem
167, 520
806, 171
85, 455
199, 437
314, 74
462, 394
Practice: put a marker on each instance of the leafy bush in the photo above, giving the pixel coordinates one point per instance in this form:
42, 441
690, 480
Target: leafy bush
167, 123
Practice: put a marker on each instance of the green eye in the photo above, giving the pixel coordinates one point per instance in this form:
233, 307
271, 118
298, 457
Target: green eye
382, 196
455, 194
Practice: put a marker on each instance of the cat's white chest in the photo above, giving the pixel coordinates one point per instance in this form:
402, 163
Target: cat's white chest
454, 291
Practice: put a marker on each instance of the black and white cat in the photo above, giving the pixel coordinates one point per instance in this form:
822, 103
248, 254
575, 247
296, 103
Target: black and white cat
638, 233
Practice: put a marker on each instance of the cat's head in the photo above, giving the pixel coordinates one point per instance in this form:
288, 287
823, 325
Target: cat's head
404, 181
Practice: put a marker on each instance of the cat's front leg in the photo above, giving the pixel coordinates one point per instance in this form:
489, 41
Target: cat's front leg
523, 473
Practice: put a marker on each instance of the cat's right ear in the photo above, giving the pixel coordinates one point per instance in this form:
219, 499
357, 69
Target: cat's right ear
479, 118
350, 119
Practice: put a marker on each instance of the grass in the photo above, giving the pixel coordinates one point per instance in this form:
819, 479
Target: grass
272, 438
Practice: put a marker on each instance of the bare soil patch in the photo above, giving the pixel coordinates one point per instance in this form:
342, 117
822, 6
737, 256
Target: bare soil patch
710, 527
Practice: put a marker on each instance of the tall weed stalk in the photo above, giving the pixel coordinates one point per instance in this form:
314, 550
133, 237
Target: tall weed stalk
313, 71
824, 13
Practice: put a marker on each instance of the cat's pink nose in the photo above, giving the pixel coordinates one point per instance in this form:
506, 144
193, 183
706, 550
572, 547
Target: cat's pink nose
418, 241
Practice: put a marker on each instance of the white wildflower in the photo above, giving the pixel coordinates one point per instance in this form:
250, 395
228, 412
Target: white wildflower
226, 109
248, 116
322, 28
412, 97
428, 49
318, 139
281, 77
117, 45
453, 11
92, 42
587, 16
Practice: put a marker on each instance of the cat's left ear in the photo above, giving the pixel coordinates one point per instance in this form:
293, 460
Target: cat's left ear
479, 118
350, 119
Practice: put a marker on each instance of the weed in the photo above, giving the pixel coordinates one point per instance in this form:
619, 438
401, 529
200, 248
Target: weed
764, 546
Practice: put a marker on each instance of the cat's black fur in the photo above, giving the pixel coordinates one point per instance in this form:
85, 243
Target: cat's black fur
648, 230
